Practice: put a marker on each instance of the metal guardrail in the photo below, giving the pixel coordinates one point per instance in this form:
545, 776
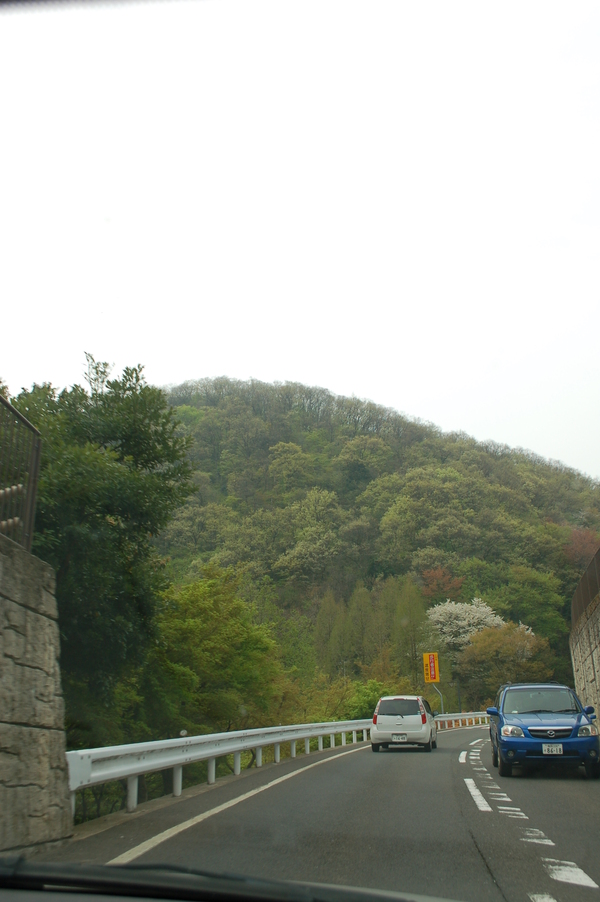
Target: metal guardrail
92, 766
464, 719
20, 450
587, 590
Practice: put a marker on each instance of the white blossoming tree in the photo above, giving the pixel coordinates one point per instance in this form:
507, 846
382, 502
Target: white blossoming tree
457, 622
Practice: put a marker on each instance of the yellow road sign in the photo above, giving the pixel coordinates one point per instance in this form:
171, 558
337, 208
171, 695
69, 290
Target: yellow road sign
430, 667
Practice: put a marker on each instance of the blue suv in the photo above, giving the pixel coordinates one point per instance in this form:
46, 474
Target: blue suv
542, 722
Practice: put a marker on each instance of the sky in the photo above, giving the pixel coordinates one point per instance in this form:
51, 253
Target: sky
394, 200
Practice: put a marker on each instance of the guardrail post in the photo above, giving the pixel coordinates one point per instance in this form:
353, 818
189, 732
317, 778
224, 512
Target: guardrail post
237, 763
307, 746
277, 755
132, 793
293, 748
353, 737
332, 740
364, 735
211, 770
73, 800
258, 753
343, 739
177, 779
320, 743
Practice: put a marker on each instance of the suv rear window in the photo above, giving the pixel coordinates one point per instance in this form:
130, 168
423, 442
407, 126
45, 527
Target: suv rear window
539, 701
401, 706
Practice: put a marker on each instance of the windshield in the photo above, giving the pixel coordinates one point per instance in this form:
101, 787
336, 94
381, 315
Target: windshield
399, 706
540, 701
299, 304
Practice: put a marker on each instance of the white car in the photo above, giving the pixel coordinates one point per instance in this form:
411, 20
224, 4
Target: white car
403, 720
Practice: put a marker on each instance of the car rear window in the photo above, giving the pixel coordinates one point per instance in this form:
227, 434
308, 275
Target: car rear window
539, 701
401, 706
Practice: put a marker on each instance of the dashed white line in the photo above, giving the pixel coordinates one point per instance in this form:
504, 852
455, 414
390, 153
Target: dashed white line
475, 741
511, 811
567, 872
499, 796
536, 836
477, 796
541, 897
463, 757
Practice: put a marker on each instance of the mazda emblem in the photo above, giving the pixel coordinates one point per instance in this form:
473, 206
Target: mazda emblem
551, 734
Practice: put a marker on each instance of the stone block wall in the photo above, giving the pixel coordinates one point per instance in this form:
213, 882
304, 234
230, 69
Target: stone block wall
585, 653
34, 798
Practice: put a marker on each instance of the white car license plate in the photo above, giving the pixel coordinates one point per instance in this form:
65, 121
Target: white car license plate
552, 748
398, 737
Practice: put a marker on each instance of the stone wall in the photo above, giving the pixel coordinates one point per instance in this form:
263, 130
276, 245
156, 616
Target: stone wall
34, 798
585, 653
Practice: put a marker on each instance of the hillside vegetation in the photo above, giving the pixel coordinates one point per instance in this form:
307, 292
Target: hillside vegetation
313, 498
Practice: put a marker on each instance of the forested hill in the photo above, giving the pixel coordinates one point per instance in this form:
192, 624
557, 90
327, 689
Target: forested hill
315, 493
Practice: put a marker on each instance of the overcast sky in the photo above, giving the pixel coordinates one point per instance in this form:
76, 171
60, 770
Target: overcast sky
398, 200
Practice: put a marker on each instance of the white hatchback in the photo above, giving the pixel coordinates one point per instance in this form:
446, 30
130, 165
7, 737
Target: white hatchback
403, 720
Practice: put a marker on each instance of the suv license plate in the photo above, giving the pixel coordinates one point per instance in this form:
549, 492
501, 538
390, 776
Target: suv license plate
398, 737
552, 748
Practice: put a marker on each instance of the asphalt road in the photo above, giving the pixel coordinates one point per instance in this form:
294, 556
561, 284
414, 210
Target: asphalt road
442, 824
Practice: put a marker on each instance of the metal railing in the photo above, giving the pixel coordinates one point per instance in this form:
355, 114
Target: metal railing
587, 590
20, 449
92, 766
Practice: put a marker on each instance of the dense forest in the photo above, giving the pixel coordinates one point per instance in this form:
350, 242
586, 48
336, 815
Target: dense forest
233, 554
321, 503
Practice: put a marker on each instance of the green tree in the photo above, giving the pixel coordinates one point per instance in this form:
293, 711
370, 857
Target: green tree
113, 472
495, 656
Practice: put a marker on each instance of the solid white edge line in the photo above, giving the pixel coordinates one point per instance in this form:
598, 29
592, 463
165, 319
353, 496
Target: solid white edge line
541, 897
478, 798
463, 757
567, 872
154, 841
475, 741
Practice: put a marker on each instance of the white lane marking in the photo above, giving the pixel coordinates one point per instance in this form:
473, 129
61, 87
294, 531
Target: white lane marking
154, 841
477, 796
541, 897
499, 796
567, 872
475, 741
463, 757
536, 836
480, 769
511, 811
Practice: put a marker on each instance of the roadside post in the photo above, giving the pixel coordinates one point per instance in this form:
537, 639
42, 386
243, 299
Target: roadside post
431, 671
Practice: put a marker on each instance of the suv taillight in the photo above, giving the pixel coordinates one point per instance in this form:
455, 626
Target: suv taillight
423, 714
375, 718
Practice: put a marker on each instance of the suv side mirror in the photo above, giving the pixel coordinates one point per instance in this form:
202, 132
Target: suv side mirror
589, 709
493, 712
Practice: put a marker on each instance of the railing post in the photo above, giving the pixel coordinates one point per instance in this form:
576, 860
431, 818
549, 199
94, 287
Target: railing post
212, 770
277, 755
132, 793
307, 746
332, 740
258, 753
293, 748
364, 735
353, 737
343, 739
320, 743
177, 779
237, 763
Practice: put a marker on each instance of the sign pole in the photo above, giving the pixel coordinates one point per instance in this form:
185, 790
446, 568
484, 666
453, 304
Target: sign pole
440, 695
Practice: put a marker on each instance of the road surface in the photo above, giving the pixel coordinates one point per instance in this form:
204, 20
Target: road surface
443, 824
